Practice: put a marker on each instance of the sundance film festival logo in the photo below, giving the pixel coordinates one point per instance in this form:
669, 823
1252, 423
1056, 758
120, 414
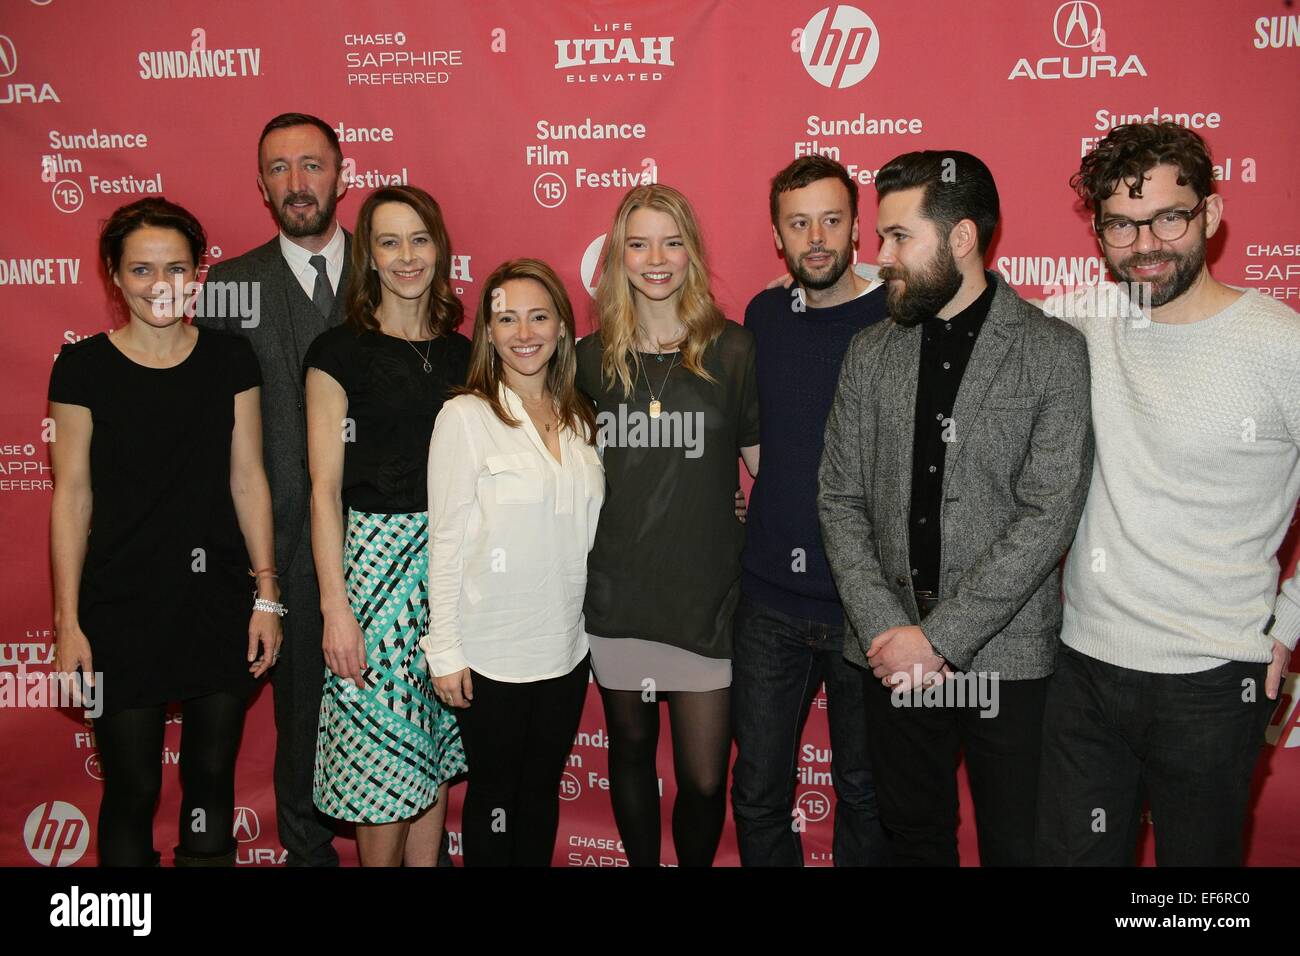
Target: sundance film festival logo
1077, 26
839, 46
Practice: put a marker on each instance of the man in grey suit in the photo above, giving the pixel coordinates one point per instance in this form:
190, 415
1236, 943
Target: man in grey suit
957, 459
300, 280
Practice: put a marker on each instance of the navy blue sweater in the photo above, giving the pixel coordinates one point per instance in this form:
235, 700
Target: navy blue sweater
799, 358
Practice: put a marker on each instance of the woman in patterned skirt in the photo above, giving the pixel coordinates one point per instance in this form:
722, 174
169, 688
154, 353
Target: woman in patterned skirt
375, 385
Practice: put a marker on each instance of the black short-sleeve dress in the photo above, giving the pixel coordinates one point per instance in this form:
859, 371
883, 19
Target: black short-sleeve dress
663, 577
165, 597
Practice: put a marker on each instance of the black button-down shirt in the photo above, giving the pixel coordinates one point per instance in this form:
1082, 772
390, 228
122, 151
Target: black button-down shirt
946, 348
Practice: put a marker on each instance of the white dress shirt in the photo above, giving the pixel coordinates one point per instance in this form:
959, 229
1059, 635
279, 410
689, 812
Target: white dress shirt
299, 260
509, 532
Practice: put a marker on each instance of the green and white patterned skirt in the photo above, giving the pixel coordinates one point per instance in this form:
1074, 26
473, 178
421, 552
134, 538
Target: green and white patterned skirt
385, 747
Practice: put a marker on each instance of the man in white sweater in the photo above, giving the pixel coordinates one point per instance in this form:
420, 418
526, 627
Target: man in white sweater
1175, 638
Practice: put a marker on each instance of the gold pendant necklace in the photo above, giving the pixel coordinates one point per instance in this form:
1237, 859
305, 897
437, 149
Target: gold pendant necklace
656, 405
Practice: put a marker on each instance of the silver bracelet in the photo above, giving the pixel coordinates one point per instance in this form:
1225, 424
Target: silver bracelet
275, 607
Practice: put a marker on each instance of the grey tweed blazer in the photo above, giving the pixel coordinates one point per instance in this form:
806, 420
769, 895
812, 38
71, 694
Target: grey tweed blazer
1015, 479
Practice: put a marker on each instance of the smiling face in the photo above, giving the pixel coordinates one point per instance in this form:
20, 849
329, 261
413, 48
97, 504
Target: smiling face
816, 232
916, 259
155, 267
1170, 267
300, 178
525, 329
654, 254
401, 250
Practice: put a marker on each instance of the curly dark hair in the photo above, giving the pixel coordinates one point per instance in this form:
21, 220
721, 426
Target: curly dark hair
1130, 151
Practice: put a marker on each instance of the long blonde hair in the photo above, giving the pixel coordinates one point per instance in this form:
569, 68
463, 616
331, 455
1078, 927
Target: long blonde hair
484, 377
615, 313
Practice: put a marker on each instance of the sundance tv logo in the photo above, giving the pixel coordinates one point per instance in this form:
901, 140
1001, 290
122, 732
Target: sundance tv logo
1077, 26
839, 46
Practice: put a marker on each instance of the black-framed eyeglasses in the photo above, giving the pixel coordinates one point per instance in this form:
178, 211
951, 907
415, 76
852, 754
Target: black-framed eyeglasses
1167, 227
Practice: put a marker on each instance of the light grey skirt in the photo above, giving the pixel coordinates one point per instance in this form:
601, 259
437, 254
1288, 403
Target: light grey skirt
631, 664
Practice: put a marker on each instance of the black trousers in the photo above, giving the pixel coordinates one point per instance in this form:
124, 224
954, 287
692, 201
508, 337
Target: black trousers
298, 681
914, 751
517, 738
1113, 737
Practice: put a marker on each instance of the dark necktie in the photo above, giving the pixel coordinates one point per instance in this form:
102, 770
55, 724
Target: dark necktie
322, 296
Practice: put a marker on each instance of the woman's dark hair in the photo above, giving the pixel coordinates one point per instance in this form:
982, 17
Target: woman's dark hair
152, 211
365, 290
1130, 151
957, 186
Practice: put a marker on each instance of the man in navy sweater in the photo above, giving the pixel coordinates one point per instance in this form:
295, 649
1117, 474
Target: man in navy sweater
789, 626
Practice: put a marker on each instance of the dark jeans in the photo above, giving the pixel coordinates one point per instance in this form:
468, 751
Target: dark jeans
778, 663
1186, 742
914, 752
517, 738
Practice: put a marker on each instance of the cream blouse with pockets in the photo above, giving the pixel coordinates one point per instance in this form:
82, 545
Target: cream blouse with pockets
509, 532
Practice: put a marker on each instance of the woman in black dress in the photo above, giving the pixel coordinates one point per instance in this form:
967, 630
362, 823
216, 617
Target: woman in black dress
159, 501
674, 386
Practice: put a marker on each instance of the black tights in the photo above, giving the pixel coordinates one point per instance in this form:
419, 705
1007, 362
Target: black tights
701, 729
130, 752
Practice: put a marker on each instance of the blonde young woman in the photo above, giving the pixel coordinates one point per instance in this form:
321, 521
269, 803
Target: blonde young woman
386, 746
515, 488
674, 387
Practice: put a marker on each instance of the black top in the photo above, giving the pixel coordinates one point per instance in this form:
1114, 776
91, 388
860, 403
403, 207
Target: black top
392, 405
666, 563
946, 348
165, 597
799, 359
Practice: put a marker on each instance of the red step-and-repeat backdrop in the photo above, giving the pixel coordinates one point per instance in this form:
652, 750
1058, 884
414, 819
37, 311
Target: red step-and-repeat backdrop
528, 121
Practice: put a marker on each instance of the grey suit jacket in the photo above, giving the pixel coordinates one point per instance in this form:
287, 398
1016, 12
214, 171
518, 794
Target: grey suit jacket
286, 324
1015, 479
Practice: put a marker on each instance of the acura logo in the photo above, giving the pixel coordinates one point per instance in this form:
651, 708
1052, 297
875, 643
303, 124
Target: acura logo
1077, 23
8, 56
247, 826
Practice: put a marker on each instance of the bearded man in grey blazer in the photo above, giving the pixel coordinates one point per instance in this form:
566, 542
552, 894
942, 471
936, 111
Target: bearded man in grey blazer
957, 460
297, 283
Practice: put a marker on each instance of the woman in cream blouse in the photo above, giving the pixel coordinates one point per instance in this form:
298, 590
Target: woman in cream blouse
515, 489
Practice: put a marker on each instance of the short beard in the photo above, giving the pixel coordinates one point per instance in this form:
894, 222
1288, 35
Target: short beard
927, 290
1187, 267
313, 225
839, 263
